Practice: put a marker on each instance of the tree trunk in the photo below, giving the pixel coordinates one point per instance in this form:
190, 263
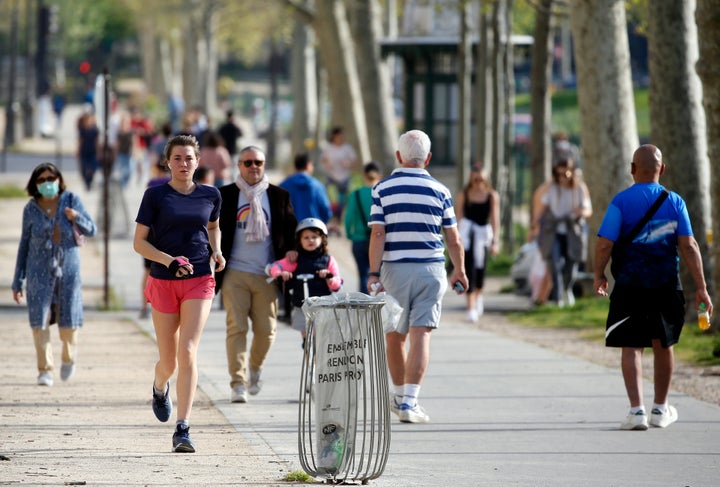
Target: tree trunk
483, 90
499, 175
540, 100
608, 126
509, 132
374, 81
462, 165
707, 16
677, 118
209, 50
338, 58
303, 68
192, 57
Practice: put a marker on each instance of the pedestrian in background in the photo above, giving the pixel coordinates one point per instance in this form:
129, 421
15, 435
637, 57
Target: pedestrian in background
204, 175
88, 145
643, 229
48, 266
183, 217
230, 133
357, 216
407, 259
477, 209
338, 160
307, 194
214, 156
257, 224
559, 223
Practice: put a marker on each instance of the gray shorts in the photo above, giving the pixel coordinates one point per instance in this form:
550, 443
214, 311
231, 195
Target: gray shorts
419, 287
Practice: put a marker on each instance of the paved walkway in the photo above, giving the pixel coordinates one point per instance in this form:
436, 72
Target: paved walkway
504, 412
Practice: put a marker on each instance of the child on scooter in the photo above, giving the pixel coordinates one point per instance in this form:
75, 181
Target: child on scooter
314, 273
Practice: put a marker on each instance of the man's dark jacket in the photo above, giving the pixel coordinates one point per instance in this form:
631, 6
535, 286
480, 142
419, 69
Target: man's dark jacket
282, 223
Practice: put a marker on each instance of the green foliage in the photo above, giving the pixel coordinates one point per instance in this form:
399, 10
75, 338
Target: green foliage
589, 315
566, 114
499, 265
12, 191
87, 24
298, 476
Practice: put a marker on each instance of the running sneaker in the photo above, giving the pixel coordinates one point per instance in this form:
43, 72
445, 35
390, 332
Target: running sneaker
394, 405
413, 414
67, 370
45, 379
637, 421
661, 419
162, 405
239, 393
181, 440
255, 382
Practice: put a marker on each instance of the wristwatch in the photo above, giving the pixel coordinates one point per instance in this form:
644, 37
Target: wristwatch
373, 274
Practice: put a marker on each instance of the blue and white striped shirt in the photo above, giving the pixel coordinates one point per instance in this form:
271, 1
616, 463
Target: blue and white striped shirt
414, 207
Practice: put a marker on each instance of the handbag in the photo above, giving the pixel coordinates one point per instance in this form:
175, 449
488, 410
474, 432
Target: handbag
79, 237
77, 234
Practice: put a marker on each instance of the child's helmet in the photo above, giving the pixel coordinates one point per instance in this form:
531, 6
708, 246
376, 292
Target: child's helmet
311, 223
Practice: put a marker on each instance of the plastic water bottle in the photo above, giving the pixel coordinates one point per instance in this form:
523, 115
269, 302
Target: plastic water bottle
703, 317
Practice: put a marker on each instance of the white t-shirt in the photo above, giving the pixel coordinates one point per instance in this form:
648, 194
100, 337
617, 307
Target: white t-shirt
338, 161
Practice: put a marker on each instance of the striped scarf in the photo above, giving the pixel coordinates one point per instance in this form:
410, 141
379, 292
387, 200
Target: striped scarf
256, 229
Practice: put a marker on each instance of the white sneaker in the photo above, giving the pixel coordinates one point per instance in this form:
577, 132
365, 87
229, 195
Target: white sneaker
45, 379
67, 371
239, 394
662, 420
394, 405
472, 316
637, 421
413, 414
480, 305
255, 382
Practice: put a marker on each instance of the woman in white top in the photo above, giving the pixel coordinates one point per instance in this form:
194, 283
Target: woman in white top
560, 218
338, 161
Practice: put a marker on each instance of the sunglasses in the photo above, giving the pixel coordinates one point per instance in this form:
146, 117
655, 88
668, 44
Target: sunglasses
250, 162
49, 179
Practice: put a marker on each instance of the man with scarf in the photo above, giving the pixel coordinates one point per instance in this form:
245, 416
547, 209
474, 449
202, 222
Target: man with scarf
257, 223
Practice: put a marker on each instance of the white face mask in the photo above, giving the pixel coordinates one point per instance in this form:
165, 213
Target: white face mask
49, 189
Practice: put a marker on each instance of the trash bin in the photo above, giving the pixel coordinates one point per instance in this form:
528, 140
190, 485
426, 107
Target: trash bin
344, 423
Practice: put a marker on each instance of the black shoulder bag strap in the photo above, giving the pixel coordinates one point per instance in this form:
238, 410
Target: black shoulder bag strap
361, 211
626, 239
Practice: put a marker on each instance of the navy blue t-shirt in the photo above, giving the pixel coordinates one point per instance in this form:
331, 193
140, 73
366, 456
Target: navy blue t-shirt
179, 224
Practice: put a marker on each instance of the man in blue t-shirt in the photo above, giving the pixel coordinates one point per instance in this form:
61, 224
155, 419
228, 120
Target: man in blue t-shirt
647, 307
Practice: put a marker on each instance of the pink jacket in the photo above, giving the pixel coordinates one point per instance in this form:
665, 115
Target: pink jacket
334, 283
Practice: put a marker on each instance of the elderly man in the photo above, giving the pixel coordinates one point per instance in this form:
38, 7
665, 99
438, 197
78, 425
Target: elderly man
643, 229
409, 212
258, 226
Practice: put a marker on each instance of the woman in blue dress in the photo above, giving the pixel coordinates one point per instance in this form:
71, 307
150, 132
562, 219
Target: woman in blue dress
48, 266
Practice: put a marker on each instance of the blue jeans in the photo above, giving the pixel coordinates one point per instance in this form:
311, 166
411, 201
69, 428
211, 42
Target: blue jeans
362, 259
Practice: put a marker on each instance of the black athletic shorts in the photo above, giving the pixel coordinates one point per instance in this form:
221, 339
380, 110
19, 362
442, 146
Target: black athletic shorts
639, 315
